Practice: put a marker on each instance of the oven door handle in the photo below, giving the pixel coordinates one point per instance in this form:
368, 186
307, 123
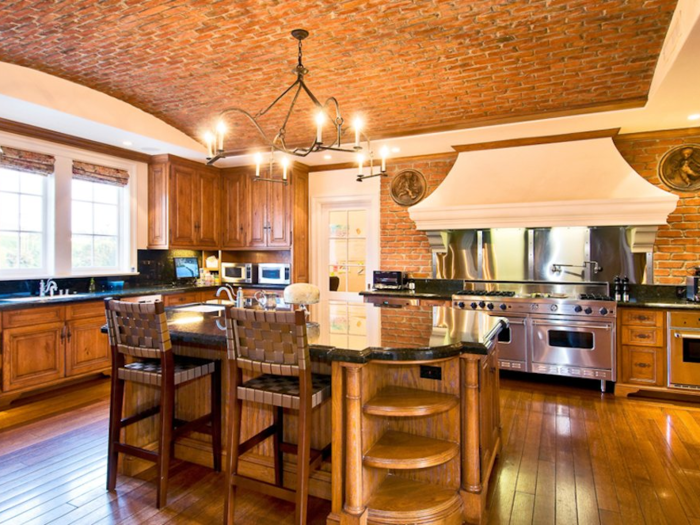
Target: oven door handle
566, 324
679, 335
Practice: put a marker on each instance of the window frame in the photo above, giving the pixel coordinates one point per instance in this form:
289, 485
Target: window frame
23, 273
57, 217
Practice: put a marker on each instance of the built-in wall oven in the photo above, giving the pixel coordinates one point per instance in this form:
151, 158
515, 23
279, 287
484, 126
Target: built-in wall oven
684, 350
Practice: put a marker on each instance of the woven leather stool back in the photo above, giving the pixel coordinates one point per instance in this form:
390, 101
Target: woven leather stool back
138, 329
267, 342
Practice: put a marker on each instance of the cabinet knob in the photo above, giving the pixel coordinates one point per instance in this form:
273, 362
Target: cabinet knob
642, 365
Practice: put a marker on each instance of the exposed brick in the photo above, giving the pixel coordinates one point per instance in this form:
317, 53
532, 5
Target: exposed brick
403, 65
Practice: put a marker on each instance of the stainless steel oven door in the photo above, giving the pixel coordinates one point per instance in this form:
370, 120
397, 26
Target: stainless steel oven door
573, 344
513, 343
684, 359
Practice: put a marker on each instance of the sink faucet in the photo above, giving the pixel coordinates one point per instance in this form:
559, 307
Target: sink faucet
47, 288
226, 289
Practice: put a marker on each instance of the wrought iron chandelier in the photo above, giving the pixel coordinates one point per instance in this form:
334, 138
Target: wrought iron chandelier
364, 156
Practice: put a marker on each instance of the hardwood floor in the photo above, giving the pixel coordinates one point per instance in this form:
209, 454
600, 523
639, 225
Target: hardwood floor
570, 455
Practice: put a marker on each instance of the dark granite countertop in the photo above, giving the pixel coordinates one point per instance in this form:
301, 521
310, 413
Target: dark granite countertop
6, 302
680, 304
445, 296
407, 334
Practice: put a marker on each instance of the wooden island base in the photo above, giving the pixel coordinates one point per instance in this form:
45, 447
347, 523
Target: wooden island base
407, 449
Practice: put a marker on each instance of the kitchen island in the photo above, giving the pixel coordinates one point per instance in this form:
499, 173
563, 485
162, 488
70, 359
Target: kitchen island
413, 419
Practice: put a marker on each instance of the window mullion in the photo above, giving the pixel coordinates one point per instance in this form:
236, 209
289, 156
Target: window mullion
63, 177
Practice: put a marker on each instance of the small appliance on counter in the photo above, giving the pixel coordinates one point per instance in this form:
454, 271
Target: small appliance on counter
692, 286
393, 280
274, 273
237, 273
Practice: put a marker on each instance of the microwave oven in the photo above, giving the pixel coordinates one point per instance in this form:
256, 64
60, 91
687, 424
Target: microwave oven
273, 273
237, 273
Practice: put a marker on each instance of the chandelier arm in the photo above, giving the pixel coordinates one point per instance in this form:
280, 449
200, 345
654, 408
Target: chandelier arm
252, 119
310, 94
283, 129
268, 108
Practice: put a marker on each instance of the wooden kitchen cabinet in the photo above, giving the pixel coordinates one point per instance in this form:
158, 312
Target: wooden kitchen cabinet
33, 356
183, 204
641, 356
87, 348
47, 346
235, 206
490, 424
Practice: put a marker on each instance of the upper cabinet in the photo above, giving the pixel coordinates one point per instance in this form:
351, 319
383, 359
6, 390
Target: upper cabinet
183, 204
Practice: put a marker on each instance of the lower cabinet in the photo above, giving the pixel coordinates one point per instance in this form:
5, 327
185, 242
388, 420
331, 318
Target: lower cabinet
38, 354
87, 348
33, 356
643, 365
489, 408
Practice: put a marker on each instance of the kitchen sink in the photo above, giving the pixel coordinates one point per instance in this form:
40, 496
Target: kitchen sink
202, 308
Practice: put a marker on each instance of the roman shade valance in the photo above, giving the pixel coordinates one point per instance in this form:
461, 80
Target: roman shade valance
94, 173
26, 161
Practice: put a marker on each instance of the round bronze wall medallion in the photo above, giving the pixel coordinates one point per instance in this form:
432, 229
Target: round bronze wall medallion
679, 168
408, 187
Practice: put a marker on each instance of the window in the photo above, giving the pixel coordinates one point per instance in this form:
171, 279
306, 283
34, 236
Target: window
22, 221
96, 220
347, 250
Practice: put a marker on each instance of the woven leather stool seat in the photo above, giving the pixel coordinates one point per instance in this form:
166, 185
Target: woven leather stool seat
283, 391
150, 371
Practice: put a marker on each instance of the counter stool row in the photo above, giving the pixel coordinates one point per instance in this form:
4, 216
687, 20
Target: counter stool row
273, 345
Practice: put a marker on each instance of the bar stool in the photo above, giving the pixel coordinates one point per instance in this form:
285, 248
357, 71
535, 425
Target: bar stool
273, 344
139, 330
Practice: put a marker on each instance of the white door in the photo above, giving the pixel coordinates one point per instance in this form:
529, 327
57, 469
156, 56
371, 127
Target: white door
346, 255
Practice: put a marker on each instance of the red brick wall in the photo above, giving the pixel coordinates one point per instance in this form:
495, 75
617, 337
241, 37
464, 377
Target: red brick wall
403, 247
677, 245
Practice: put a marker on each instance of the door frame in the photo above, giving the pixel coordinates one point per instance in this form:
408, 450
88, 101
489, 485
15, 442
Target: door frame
319, 258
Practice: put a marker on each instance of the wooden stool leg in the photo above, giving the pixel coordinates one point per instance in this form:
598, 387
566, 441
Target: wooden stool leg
235, 408
167, 408
277, 440
115, 418
216, 416
303, 460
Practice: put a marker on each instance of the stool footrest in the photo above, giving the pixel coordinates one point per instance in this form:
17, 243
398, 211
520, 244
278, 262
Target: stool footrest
256, 439
199, 425
263, 487
140, 416
142, 453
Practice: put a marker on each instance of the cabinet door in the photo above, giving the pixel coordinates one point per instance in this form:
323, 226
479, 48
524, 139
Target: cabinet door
257, 235
234, 209
643, 365
183, 206
278, 216
208, 221
158, 206
87, 348
181, 298
32, 356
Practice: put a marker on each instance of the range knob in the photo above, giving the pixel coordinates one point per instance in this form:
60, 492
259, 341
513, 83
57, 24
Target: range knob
535, 306
461, 304
578, 308
473, 305
554, 308
588, 310
482, 304
489, 306
603, 311
503, 306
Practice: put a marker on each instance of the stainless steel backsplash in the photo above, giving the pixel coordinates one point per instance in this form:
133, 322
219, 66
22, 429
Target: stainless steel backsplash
529, 254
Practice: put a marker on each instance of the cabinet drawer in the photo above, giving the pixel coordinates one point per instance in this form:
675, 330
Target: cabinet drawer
85, 310
684, 319
181, 298
643, 366
32, 316
641, 317
642, 336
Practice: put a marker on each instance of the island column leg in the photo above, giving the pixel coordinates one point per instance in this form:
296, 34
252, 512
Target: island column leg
355, 512
471, 486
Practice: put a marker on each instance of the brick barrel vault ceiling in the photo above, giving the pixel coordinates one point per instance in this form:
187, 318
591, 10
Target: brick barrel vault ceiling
405, 65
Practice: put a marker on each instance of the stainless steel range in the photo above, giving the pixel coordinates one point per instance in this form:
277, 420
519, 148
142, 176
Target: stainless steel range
561, 329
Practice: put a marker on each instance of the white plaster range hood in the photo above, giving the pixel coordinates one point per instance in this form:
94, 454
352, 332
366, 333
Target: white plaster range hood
574, 183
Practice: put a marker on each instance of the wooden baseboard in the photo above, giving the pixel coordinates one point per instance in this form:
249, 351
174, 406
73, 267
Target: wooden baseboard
6, 398
626, 389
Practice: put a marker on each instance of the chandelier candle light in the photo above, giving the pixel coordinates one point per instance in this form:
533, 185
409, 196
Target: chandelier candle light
215, 141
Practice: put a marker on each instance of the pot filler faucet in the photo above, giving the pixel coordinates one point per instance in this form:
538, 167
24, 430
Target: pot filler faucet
595, 267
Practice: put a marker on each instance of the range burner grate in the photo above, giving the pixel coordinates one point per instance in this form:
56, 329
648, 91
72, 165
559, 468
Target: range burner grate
595, 297
488, 293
